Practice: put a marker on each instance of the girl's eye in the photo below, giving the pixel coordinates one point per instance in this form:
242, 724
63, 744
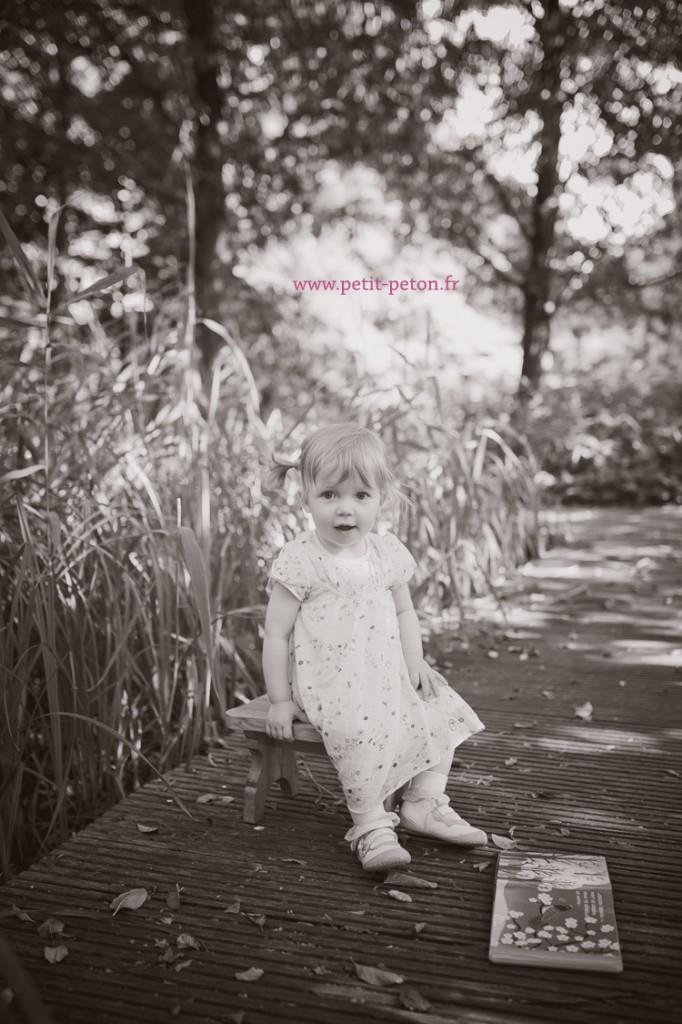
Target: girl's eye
327, 494
362, 495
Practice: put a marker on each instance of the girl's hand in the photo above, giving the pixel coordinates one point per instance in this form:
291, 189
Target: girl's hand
280, 718
426, 679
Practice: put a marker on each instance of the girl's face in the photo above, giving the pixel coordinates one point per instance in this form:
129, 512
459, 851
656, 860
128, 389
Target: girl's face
344, 512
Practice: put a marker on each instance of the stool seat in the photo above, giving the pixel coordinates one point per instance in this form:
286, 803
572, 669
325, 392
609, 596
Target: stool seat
274, 760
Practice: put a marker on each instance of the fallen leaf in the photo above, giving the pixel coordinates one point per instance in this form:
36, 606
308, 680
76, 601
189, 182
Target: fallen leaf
418, 927
257, 919
584, 711
233, 908
502, 842
493, 654
253, 974
50, 927
173, 898
55, 954
14, 911
564, 832
321, 970
525, 725
166, 919
168, 956
181, 964
295, 860
377, 976
481, 865
409, 881
412, 999
549, 694
187, 941
215, 798
133, 899
671, 771
147, 828
401, 897
510, 761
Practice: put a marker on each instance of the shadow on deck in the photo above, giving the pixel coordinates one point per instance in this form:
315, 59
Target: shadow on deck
597, 621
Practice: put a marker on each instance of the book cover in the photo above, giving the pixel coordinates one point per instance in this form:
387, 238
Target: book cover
554, 910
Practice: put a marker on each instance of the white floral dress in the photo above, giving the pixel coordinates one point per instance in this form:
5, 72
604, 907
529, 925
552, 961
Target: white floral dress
348, 672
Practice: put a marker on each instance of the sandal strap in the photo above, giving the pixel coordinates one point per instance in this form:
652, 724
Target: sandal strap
389, 820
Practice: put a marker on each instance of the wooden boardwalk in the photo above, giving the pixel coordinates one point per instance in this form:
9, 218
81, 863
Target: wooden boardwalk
598, 621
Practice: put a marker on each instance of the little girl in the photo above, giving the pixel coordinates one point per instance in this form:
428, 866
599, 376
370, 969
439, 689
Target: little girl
354, 667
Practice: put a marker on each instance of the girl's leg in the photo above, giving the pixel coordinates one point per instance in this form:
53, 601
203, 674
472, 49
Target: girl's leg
364, 817
432, 780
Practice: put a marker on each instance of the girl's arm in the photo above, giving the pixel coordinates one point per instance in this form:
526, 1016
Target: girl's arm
279, 621
422, 676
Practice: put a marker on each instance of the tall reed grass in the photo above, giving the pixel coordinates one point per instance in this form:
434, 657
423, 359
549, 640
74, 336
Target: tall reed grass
135, 541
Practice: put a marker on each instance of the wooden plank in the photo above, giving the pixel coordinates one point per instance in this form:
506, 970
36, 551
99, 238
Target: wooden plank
609, 786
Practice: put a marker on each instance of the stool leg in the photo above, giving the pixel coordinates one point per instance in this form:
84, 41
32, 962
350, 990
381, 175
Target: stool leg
271, 760
258, 780
287, 772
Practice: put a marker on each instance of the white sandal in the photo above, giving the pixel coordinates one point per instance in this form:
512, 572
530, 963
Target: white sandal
376, 844
433, 817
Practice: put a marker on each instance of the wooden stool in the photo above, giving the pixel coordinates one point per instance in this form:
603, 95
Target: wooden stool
274, 760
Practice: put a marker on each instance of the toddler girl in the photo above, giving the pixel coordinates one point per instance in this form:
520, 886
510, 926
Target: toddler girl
354, 667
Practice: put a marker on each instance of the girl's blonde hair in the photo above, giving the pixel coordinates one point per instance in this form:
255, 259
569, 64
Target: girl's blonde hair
341, 450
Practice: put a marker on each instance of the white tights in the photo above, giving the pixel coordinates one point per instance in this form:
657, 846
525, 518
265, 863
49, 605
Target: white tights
426, 783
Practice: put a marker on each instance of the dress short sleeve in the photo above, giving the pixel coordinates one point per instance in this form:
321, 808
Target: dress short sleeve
401, 562
289, 569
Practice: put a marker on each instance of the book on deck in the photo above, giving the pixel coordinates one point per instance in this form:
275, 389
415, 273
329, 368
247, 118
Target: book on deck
554, 910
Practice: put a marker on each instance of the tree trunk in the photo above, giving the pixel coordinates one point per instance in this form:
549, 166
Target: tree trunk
203, 37
537, 312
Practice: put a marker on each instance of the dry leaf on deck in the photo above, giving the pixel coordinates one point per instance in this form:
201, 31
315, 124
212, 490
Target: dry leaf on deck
186, 941
584, 711
50, 927
377, 976
671, 771
493, 654
257, 919
418, 927
510, 761
133, 899
181, 964
173, 898
54, 954
214, 798
253, 974
502, 842
146, 828
14, 911
401, 897
409, 881
525, 725
412, 999
233, 908
295, 860
481, 865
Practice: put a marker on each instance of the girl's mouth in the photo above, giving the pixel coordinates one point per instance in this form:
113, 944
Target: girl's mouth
345, 527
